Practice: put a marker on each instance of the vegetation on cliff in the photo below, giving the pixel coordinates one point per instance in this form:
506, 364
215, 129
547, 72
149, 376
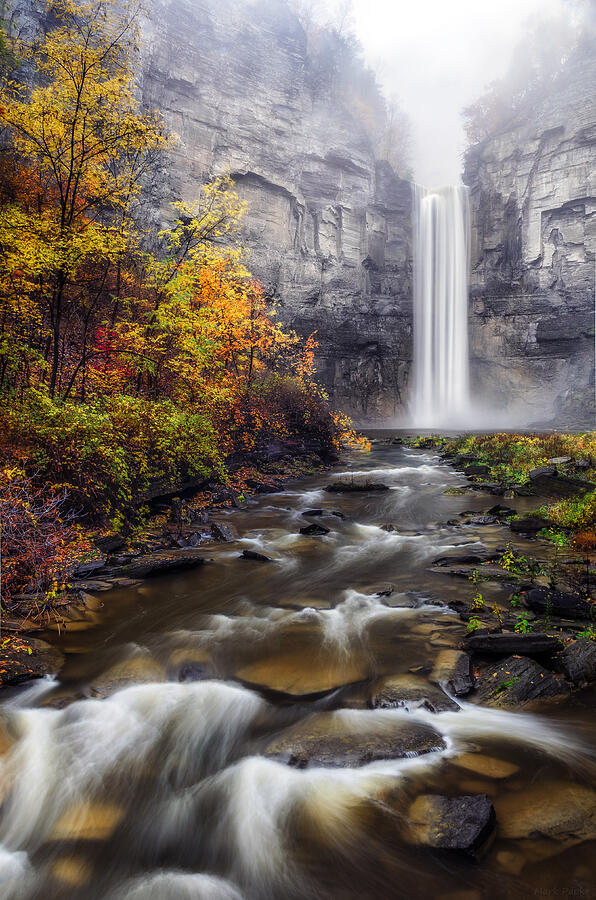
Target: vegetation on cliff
128, 352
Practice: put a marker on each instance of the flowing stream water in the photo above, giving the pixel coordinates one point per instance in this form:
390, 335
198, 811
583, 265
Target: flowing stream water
441, 273
162, 789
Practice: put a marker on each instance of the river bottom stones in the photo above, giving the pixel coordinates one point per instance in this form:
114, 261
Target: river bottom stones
466, 823
554, 810
138, 670
326, 739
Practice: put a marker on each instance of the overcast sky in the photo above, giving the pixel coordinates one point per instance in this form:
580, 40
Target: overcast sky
437, 56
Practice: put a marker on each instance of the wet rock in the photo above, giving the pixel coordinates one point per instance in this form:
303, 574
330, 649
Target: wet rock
477, 470
501, 511
223, 532
323, 512
560, 461
255, 556
382, 590
463, 559
267, 487
161, 564
24, 658
529, 525
91, 585
356, 487
110, 543
395, 691
543, 601
488, 488
582, 463
519, 681
483, 520
485, 765
542, 472
558, 811
501, 644
73, 871
453, 668
138, 670
545, 480
466, 823
87, 569
577, 662
88, 822
350, 740
314, 530
300, 673
190, 664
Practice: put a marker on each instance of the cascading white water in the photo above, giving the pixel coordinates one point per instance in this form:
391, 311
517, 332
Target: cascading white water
441, 268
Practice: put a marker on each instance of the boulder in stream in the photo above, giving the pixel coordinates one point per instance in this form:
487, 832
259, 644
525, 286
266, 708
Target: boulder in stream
453, 668
555, 810
466, 823
221, 531
136, 670
351, 739
409, 692
314, 530
356, 487
518, 681
254, 556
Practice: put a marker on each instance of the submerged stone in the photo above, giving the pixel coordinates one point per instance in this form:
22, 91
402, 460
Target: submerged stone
466, 823
138, 670
394, 691
331, 739
556, 810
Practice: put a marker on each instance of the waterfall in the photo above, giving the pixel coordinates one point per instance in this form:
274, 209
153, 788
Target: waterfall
441, 267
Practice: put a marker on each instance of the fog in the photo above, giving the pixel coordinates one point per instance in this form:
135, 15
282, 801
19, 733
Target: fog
437, 56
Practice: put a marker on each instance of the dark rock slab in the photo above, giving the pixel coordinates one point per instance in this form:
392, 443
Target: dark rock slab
324, 739
453, 670
110, 543
161, 564
86, 569
483, 520
409, 692
477, 470
501, 511
356, 487
529, 525
551, 484
463, 559
254, 556
323, 512
466, 823
543, 601
314, 530
223, 532
519, 681
509, 642
577, 662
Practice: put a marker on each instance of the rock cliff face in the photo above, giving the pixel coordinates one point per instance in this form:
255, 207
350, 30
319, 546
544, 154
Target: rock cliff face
533, 190
328, 227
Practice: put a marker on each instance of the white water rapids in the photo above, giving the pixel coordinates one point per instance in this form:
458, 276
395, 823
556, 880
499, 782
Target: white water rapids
441, 269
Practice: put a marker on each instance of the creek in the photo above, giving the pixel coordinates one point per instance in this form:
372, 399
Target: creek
147, 771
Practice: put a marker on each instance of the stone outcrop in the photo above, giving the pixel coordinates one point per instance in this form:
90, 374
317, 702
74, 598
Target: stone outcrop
328, 226
533, 194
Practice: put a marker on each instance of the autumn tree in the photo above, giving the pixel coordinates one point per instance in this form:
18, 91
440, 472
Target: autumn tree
81, 147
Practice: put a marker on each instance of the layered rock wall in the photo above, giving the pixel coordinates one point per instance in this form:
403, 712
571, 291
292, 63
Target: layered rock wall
328, 227
533, 190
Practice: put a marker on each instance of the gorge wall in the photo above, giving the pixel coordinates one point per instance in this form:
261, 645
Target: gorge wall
328, 226
533, 191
